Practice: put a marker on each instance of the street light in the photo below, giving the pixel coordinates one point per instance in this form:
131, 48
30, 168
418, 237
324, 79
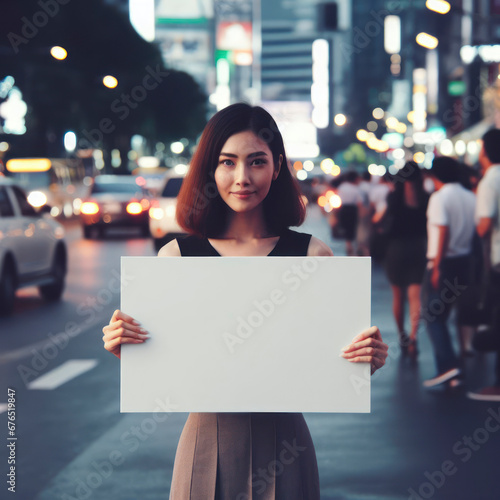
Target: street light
340, 120
58, 53
439, 6
177, 147
110, 81
70, 141
427, 41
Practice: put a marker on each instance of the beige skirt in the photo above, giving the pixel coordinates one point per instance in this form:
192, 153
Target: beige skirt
245, 456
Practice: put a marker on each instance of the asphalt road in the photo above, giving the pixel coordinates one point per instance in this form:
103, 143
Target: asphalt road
73, 442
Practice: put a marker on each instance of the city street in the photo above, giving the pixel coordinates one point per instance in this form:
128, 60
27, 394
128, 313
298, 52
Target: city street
73, 442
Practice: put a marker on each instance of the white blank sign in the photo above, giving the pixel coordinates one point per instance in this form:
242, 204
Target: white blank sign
245, 334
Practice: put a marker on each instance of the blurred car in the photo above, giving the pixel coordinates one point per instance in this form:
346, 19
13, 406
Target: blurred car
162, 223
152, 182
115, 200
32, 248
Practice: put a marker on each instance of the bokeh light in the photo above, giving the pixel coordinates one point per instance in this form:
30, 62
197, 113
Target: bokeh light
110, 81
58, 53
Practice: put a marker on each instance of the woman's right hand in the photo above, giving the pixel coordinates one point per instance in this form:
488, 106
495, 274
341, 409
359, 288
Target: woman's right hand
122, 329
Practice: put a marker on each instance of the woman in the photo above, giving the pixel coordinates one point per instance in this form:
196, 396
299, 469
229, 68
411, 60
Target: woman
405, 260
237, 199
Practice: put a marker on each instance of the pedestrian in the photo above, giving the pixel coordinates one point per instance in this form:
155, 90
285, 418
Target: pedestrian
379, 193
348, 213
378, 204
239, 199
450, 233
363, 233
405, 256
488, 228
471, 309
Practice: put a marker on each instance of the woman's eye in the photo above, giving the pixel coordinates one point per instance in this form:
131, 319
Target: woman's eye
227, 163
258, 162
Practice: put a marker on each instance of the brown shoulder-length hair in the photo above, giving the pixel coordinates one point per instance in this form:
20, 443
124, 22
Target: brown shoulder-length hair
201, 210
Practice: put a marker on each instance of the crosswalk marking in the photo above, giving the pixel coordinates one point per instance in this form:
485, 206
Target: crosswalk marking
62, 374
3, 407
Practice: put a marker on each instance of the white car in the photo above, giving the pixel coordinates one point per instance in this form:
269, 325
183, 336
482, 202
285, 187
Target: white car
162, 223
32, 248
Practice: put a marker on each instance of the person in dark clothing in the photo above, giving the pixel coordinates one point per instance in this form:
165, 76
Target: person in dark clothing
488, 228
405, 259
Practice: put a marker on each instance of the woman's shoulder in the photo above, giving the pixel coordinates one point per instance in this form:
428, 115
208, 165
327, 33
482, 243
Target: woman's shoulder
171, 249
318, 248
315, 247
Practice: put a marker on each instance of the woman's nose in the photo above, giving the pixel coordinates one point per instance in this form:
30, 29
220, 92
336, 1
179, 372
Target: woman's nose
241, 173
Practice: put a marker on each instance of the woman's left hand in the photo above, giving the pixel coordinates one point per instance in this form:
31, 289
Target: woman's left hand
367, 347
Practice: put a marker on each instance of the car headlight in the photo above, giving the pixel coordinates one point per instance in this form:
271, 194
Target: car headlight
156, 213
134, 208
37, 199
89, 208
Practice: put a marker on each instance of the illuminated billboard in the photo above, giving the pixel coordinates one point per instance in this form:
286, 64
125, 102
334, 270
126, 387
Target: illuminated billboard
184, 9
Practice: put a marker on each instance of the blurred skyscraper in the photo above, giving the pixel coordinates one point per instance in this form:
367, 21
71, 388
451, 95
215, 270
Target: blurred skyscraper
120, 4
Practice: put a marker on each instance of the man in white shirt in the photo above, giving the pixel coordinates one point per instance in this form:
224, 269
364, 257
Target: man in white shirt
450, 232
378, 205
379, 192
348, 213
488, 228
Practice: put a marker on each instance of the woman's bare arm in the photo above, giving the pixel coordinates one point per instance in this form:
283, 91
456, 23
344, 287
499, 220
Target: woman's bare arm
122, 328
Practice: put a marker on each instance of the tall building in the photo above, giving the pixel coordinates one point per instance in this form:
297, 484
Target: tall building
287, 51
121, 5
310, 91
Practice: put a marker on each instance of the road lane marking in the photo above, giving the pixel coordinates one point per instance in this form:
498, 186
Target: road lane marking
62, 374
24, 352
3, 407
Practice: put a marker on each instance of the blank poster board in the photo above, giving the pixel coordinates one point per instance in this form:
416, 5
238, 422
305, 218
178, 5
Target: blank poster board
245, 334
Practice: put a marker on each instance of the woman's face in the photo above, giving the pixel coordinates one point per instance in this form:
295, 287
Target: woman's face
245, 171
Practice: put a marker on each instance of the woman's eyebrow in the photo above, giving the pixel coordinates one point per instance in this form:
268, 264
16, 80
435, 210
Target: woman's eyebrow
251, 155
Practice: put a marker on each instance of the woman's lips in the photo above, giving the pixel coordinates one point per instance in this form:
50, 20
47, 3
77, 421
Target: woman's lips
242, 196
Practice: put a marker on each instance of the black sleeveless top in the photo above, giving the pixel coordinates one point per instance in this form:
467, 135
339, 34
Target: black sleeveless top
291, 244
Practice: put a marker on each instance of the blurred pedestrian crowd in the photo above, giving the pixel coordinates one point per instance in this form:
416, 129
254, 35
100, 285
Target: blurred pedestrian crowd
437, 233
